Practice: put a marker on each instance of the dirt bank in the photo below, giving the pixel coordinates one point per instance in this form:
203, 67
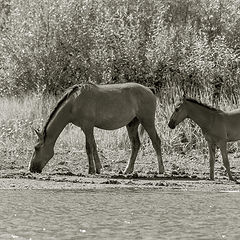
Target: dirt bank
69, 171
26, 180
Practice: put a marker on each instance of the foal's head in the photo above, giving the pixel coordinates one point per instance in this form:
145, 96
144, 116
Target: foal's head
41, 155
179, 114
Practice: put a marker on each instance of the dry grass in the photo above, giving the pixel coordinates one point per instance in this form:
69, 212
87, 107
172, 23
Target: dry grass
184, 149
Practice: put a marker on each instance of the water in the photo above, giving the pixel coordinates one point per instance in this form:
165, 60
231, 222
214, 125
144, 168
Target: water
118, 214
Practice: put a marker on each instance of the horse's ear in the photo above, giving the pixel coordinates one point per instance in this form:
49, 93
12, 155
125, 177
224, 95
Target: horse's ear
39, 134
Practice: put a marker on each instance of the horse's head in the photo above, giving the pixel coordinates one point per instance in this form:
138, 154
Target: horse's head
178, 115
41, 155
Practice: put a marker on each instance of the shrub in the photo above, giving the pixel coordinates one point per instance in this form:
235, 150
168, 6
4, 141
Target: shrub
178, 46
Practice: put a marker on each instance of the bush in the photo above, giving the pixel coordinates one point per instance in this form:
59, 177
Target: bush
178, 46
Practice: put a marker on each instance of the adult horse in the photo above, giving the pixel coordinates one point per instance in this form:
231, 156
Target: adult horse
218, 127
103, 106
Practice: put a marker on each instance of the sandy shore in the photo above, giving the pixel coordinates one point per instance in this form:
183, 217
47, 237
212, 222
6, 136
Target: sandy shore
23, 180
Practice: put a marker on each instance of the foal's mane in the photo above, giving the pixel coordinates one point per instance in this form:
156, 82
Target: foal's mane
68, 93
202, 104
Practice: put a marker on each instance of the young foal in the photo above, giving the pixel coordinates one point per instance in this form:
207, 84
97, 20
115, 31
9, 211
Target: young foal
103, 106
218, 127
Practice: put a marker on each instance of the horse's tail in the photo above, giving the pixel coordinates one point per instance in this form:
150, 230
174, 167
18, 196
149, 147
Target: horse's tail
141, 128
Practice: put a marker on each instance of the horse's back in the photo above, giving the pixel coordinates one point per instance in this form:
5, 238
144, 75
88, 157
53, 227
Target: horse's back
121, 87
116, 92
114, 105
131, 95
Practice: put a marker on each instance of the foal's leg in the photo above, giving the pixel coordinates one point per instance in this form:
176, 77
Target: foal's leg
212, 149
91, 150
156, 142
132, 129
223, 148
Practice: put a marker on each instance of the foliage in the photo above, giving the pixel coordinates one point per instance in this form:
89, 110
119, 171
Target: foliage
191, 46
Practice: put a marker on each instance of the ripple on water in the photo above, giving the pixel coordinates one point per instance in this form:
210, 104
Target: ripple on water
118, 214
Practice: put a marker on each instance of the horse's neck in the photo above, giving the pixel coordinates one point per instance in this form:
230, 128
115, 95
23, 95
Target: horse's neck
56, 126
200, 115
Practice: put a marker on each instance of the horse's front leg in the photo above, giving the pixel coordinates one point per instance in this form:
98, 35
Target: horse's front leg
223, 148
98, 165
92, 154
91, 168
212, 150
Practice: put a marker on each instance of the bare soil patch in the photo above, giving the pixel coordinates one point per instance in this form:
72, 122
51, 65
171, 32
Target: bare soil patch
26, 180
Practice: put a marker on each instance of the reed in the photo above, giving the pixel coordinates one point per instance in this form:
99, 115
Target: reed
183, 147
189, 46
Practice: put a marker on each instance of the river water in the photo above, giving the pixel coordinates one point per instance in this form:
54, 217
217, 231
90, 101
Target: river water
118, 214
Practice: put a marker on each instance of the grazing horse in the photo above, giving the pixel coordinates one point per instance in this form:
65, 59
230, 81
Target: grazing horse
218, 127
107, 107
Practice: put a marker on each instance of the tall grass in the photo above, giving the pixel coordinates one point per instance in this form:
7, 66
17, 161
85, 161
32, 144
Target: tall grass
189, 46
18, 116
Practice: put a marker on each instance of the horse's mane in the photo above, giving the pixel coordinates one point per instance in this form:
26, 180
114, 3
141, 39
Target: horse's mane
68, 93
202, 104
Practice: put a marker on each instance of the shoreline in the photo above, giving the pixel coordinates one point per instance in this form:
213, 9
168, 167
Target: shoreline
65, 182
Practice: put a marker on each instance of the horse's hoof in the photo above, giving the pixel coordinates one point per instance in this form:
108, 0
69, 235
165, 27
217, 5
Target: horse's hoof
211, 178
98, 171
92, 172
161, 171
128, 171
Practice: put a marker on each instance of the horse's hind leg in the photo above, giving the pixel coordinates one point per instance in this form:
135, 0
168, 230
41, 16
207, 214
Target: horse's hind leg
223, 148
92, 154
132, 129
156, 142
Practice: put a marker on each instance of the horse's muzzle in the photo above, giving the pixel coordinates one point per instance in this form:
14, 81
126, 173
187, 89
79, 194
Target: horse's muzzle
171, 124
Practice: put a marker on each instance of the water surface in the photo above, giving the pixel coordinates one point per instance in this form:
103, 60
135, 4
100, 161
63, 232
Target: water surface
118, 214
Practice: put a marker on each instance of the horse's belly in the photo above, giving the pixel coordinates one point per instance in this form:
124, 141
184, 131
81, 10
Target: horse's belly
113, 123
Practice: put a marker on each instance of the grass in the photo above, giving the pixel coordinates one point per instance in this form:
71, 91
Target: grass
187, 45
19, 115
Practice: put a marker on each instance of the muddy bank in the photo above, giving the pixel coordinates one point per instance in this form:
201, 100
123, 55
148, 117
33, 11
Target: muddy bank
26, 180
184, 173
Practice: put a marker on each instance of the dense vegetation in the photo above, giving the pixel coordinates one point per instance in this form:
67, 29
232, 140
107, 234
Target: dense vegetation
186, 45
178, 46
